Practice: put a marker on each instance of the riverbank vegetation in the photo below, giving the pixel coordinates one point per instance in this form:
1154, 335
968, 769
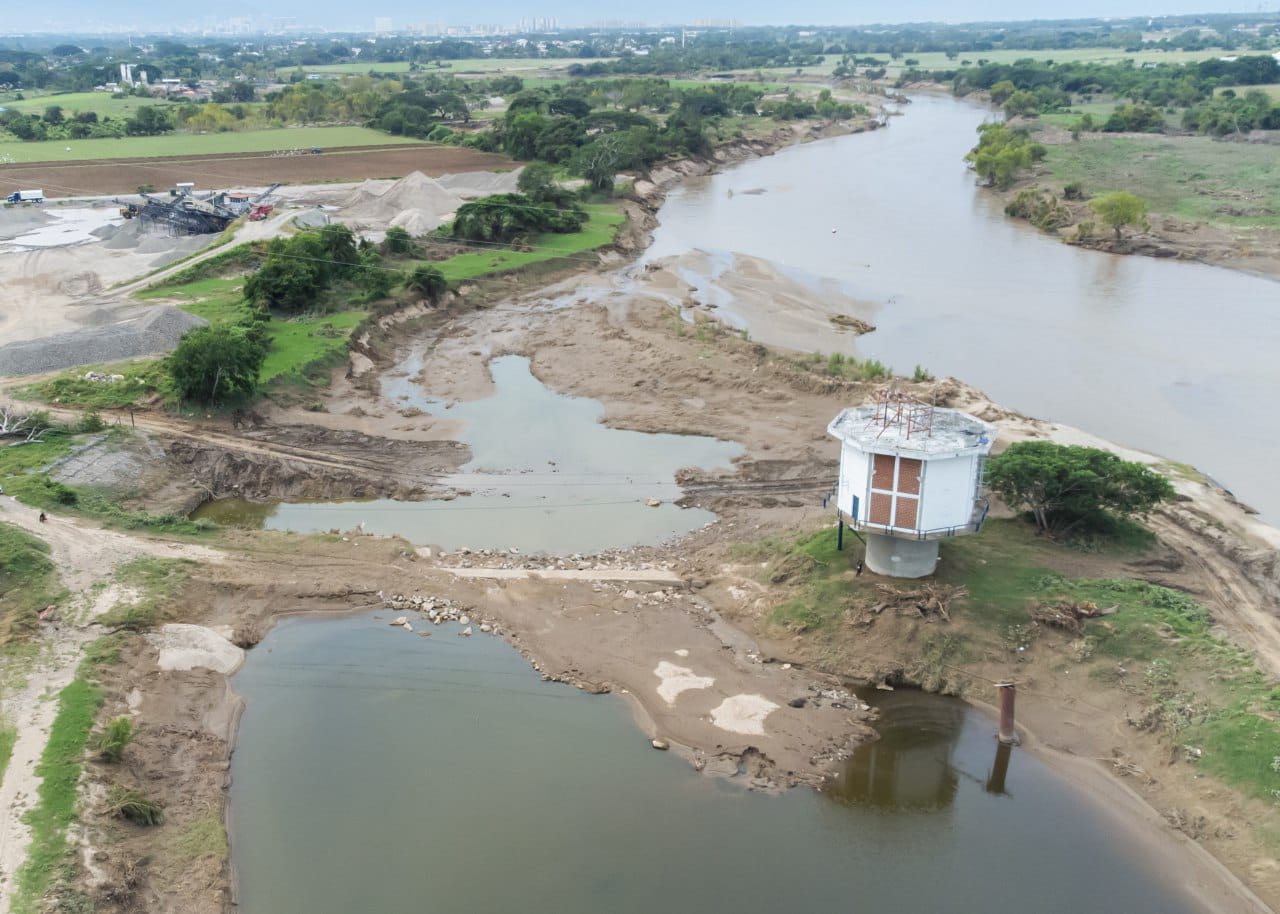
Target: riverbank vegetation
28, 583
1064, 617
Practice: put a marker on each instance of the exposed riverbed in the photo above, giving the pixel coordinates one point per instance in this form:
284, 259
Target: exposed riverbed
378, 769
546, 476
1169, 357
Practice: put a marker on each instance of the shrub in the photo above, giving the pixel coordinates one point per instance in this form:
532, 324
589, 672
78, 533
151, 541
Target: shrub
114, 737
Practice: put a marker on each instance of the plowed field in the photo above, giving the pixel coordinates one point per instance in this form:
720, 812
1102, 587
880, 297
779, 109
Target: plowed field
125, 176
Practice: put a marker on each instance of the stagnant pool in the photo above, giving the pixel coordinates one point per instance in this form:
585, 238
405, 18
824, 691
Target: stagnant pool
384, 772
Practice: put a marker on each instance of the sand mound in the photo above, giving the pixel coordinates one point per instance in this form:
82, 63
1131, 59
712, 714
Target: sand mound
311, 218
419, 221
413, 192
472, 184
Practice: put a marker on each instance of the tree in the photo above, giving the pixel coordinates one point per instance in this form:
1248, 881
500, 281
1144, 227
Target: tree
397, 242
1119, 209
537, 182
217, 364
427, 281
1065, 487
285, 283
148, 121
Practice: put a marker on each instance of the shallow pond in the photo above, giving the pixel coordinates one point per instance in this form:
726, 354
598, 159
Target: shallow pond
546, 475
383, 772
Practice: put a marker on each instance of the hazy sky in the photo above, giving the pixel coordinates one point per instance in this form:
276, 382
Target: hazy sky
84, 14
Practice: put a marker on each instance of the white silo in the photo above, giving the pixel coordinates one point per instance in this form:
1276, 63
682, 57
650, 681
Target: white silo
910, 475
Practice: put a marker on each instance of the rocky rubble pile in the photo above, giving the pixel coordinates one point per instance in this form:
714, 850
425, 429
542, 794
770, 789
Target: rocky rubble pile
435, 610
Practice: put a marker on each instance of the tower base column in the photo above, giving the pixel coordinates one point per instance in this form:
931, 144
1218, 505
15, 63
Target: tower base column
901, 558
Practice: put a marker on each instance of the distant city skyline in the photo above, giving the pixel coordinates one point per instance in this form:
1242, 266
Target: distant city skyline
82, 16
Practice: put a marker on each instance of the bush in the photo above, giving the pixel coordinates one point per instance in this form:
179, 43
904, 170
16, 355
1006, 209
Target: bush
130, 804
114, 737
217, 364
1069, 487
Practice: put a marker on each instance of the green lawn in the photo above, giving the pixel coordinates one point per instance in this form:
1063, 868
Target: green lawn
1235, 185
599, 231
187, 144
100, 103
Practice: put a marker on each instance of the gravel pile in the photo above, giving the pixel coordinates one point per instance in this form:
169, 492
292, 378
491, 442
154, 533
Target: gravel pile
472, 184
154, 333
415, 192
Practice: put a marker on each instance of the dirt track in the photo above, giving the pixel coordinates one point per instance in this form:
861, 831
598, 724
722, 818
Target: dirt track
354, 163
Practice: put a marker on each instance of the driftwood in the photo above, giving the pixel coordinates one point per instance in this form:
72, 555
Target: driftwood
925, 600
1068, 615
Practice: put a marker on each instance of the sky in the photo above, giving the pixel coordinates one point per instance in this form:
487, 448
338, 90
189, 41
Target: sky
342, 14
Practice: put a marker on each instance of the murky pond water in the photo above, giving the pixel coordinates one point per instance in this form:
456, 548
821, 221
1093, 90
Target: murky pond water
546, 475
383, 772
1170, 357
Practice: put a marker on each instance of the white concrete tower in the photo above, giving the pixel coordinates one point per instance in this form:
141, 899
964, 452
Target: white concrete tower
910, 475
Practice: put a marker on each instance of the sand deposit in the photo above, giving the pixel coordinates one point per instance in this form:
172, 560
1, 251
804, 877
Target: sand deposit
743, 714
189, 647
677, 679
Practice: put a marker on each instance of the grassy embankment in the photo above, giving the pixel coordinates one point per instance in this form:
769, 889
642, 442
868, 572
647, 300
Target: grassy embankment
189, 144
302, 348
1231, 186
28, 583
1203, 697
24, 474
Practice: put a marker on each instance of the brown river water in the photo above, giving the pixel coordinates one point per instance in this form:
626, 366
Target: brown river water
1178, 359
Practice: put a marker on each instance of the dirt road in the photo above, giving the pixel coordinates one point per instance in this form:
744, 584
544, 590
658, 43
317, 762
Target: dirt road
85, 555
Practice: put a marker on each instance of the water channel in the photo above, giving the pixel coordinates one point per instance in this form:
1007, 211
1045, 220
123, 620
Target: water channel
1170, 357
545, 476
382, 772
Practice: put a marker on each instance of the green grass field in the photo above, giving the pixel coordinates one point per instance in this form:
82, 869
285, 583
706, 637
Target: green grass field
1234, 185
484, 65
937, 60
186, 144
1100, 110
1273, 90
295, 343
100, 103
599, 231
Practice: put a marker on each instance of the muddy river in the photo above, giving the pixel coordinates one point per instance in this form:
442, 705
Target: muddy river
383, 772
1173, 358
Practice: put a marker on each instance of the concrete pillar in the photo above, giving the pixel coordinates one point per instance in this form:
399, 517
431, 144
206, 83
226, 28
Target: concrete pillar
901, 558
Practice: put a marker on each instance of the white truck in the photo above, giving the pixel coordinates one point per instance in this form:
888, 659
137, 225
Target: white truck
25, 196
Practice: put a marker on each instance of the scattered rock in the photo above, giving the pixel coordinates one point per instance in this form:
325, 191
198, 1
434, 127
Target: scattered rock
661, 744
466, 632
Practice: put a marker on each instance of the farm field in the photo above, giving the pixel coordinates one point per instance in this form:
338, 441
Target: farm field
125, 176
189, 144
